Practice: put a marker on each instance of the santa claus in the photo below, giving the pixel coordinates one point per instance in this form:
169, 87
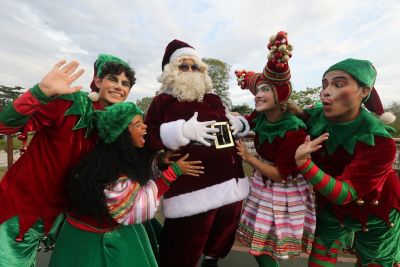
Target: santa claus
201, 213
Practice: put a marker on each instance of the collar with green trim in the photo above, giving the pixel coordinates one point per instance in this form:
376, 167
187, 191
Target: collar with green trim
81, 106
267, 131
347, 134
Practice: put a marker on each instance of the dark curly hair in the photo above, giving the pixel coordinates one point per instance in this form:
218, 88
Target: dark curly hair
104, 165
116, 69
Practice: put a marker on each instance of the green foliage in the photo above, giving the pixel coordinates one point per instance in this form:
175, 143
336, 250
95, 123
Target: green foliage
17, 144
8, 94
144, 103
219, 73
307, 97
394, 107
243, 109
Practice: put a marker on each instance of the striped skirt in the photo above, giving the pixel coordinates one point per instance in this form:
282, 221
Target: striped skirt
278, 219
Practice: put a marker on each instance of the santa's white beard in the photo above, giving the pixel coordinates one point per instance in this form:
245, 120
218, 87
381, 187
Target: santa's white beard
189, 86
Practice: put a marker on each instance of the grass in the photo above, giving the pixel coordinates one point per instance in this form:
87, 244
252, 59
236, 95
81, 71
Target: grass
17, 144
2, 171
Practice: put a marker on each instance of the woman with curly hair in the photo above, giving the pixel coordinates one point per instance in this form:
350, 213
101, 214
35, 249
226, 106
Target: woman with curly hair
111, 194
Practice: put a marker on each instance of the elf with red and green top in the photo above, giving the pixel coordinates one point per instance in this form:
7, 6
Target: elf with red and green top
278, 217
33, 190
351, 168
111, 195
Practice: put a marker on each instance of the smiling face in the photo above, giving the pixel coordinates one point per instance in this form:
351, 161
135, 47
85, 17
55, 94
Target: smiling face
112, 88
265, 98
341, 96
137, 130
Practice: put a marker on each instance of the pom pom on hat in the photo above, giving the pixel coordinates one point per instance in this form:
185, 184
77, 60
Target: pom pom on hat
94, 96
374, 104
177, 48
113, 120
276, 72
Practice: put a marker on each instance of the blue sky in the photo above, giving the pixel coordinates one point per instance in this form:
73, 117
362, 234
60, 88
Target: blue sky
36, 34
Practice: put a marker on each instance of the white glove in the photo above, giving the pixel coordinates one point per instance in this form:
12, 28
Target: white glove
235, 122
239, 125
198, 131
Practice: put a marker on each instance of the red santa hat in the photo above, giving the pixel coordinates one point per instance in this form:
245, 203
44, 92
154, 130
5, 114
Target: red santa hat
276, 72
177, 48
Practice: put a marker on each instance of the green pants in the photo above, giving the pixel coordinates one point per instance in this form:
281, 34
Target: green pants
23, 254
379, 245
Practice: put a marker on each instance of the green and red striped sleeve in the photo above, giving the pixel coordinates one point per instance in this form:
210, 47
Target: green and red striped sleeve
167, 177
16, 114
339, 192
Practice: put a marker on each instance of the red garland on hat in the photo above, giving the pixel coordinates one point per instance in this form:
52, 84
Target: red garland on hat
177, 48
276, 72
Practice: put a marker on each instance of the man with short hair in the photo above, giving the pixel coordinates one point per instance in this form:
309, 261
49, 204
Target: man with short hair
33, 190
201, 213
358, 195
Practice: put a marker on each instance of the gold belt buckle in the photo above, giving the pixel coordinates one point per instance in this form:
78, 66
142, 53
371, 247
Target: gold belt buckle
224, 136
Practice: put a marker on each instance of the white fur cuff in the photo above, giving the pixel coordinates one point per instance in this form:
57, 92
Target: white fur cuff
171, 134
205, 199
246, 127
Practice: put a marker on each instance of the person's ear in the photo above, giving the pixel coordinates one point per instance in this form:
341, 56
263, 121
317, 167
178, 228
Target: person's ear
365, 91
97, 81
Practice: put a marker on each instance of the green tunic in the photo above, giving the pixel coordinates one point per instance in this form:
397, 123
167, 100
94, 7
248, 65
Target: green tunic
124, 246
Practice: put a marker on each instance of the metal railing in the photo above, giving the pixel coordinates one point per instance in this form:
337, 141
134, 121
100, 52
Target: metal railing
248, 140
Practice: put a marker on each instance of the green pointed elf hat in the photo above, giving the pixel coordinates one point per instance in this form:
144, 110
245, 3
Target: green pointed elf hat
113, 120
365, 74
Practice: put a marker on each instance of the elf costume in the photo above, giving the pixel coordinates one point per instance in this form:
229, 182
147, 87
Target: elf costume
278, 218
202, 213
358, 191
32, 192
117, 237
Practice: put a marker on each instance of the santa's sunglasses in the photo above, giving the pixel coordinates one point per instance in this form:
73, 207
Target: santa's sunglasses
185, 67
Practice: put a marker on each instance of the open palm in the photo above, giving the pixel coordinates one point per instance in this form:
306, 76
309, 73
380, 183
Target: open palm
58, 81
304, 150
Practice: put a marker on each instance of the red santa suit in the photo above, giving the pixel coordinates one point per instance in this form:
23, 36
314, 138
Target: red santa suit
202, 213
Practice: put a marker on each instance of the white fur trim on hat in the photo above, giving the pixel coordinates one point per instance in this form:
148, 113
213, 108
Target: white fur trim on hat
94, 96
185, 51
387, 117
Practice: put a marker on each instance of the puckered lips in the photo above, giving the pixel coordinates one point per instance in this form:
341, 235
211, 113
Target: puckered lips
327, 104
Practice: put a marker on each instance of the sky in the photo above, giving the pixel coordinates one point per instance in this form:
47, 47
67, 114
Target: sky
35, 34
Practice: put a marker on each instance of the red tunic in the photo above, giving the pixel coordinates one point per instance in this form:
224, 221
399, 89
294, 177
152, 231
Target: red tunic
369, 170
221, 165
35, 185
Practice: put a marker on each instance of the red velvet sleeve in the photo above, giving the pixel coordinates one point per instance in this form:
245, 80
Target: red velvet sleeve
251, 117
155, 116
370, 167
285, 155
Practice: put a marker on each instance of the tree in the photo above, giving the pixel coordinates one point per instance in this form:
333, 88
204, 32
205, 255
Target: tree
307, 97
243, 109
219, 73
144, 103
8, 94
394, 107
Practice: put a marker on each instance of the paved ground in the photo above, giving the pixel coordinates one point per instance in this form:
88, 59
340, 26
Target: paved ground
236, 258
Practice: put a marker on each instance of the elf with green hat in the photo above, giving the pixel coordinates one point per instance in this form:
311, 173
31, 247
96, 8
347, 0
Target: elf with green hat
111, 195
349, 163
32, 192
